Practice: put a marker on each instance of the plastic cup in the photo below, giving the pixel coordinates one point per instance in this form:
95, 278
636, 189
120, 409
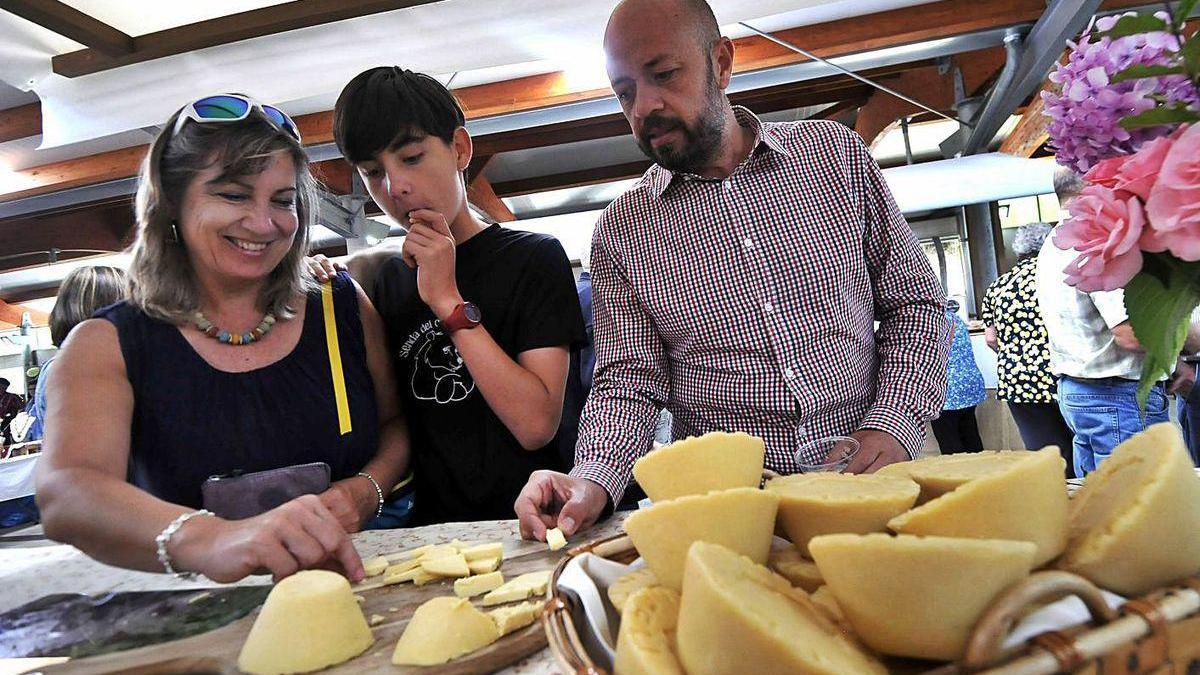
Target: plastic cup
821, 448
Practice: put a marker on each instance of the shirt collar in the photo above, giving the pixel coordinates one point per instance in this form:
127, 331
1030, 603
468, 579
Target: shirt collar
660, 178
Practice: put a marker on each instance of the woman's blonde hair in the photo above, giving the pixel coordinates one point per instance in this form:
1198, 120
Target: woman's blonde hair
81, 293
161, 280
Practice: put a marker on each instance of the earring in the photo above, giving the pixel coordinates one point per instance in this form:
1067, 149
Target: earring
174, 236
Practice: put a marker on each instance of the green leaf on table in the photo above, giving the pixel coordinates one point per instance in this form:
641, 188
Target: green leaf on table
1139, 71
1134, 24
1182, 10
1159, 314
1157, 117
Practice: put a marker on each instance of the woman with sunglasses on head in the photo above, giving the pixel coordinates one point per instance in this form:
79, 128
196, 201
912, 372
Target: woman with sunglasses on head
227, 358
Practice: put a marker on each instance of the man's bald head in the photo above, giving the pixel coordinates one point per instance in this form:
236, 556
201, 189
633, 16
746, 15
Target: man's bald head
694, 16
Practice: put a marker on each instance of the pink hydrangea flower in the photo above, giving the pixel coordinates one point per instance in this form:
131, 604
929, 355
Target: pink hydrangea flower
1105, 230
1173, 206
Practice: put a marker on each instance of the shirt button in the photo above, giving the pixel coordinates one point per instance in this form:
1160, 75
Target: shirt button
768, 307
788, 373
748, 242
801, 430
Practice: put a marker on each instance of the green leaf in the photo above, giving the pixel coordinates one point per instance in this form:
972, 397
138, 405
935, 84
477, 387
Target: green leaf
1191, 53
1182, 10
1138, 72
1134, 24
1159, 314
1156, 117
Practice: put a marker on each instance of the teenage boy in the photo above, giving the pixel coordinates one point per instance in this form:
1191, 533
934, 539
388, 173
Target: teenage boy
480, 319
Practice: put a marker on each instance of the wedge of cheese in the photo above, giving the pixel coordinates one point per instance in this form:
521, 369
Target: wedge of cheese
373, 567
1024, 500
442, 629
918, 596
736, 617
800, 572
519, 588
515, 617
941, 474
446, 566
696, 466
646, 641
483, 565
625, 586
829, 503
309, 621
742, 519
555, 539
1135, 523
469, 587
483, 551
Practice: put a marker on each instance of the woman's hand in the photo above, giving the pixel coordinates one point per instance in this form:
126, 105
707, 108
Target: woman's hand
352, 502
301, 534
322, 268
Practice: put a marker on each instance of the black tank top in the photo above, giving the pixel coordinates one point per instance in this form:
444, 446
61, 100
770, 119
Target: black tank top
192, 421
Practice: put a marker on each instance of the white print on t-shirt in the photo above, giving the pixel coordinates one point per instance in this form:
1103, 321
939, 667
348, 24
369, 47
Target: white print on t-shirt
439, 373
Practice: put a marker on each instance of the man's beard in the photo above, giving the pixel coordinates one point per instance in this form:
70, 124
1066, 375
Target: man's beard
698, 145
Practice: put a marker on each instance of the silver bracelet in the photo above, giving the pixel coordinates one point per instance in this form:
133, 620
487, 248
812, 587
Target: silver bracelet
164, 538
378, 491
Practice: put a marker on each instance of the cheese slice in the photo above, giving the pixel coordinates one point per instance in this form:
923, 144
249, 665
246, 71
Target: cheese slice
519, 588
555, 539
792, 566
402, 567
742, 519
483, 565
471, 586
1135, 523
446, 566
738, 617
695, 466
373, 567
483, 551
515, 617
625, 586
309, 621
646, 641
918, 597
826, 503
443, 629
1025, 500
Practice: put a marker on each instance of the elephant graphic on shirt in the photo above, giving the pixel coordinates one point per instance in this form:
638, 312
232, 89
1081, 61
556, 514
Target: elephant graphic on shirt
439, 373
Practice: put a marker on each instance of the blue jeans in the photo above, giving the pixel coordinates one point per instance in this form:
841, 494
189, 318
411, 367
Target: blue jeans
1189, 419
1103, 413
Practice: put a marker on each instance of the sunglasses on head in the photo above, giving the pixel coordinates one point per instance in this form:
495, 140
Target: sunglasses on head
233, 108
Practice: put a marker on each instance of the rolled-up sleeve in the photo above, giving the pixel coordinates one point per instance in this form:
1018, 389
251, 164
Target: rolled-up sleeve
630, 385
913, 338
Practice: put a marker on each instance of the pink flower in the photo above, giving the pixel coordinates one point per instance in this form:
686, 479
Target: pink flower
1132, 174
1104, 173
1173, 206
1105, 229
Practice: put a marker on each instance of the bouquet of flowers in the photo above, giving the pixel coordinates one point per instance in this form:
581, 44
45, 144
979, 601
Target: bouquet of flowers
1125, 111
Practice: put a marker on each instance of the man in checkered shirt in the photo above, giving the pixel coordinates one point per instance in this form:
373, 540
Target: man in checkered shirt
739, 282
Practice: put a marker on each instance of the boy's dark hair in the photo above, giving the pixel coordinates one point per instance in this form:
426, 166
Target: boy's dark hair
387, 107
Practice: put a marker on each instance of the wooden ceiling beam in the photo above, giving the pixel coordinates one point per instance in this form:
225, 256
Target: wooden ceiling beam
569, 179
20, 122
481, 194
69, 22
222, 30
11, 314
1031, 132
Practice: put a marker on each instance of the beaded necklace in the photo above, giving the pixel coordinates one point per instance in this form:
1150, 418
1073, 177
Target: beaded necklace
211, 330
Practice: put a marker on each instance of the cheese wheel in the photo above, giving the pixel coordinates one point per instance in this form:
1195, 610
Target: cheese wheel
309, 621
625, 586
941, 474
696, 466
918, 596
646, 641
742, 519
1135, 523
789, 564
442, 629
827, 503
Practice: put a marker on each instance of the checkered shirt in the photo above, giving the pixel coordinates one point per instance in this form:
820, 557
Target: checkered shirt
749, 304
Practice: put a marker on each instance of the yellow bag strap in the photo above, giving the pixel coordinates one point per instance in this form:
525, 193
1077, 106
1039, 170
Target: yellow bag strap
335, 360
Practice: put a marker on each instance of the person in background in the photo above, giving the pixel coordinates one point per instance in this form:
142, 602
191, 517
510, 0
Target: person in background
82, 292
221, 361
956, 429
1183, 385
10, 405
1093, 352
739, 281
1016, 332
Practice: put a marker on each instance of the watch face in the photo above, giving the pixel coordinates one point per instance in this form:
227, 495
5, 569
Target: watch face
472, 312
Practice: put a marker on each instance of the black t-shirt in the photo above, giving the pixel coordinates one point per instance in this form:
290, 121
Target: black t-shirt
466, 463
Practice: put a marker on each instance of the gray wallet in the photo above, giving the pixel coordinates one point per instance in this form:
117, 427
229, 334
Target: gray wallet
245, 495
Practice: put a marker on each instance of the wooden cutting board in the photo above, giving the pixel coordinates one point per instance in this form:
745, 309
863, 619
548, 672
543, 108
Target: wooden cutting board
217, 651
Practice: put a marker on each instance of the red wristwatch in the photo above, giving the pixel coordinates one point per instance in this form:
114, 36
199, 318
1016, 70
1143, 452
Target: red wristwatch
465, 316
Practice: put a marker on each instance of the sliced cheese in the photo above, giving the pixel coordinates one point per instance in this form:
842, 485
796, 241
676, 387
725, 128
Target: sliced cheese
373, 567
625, 586
742, 519
1023, 500
790, 565
555, 539
696, 466
519, 588
309, 621
1135, 523
646, 641
826, 503
483, 551
515, 617
469, 587
738, 617
443, 629
483, 565
446, 566
918, 596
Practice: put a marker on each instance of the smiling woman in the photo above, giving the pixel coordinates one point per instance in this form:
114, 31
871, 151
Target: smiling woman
220, 364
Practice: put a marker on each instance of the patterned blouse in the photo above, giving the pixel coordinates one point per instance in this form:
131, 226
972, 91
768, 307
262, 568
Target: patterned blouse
1023, 362
964, 381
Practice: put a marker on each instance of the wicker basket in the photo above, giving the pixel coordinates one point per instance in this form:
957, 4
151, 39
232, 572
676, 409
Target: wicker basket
1158, 634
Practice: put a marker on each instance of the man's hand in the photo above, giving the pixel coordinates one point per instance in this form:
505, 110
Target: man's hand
1184, 379
878, 449
552, 499
430, 248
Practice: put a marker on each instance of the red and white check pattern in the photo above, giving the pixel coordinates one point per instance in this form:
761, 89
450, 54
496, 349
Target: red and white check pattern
749, 304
